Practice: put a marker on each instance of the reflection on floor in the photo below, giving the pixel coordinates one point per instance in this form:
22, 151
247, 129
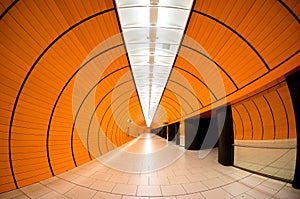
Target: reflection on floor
187, 176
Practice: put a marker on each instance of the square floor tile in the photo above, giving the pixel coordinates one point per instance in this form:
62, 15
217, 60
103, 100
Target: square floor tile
149, 190
211, 174
213, 183
216, 193
194, 187
103, 195
134, 197
103, 185
154, 180
196, 177
11, 194
243, 196
52, 195
227, 179
170, 190
236, 188
253, 180
35, 190
116, 178
261, 192
83, 181
178, 180
139, 180
68, 175
125, 189
274, 184
288, 192
101, 176
165, 173
191, 196
61, 186
20, 197
81, 192
101, 168
49, 180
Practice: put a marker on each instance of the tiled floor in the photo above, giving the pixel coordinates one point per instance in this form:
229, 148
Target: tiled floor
188, 176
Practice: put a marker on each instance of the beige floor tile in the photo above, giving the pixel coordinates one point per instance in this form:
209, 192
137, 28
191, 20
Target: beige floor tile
178, 179
211, 174
68, 175
49, 180
125, 189
258, 193
273, 184
139, 180
196, 177
79, 192
191, 196
236, 188
154, 180
11, 194
164, 197
61, 186
216, 193
252, 180
149, 190
165, 173
194, 187
84, 181
101, 169
134, 197
103, 185
85, 172
288, 192
227, 179
103, 195
243, 196
213, 183
119, 179
21, 197
182, 172
171, 190
52, 195
35, 190
101, 176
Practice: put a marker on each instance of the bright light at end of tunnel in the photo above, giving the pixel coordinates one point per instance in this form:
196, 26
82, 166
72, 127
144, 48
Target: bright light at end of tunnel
152, 31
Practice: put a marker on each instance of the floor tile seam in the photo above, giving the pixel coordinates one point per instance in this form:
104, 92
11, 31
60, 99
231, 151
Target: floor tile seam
91, 187
35, 184
228, 192
174, 195
284, 185
55, 191
23, 193
279, 190
261, 183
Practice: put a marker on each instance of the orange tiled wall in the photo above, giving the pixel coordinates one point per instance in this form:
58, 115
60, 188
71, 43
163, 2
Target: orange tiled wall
266, 115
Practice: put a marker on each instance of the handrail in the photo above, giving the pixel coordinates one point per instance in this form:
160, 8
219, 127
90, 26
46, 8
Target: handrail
265, 147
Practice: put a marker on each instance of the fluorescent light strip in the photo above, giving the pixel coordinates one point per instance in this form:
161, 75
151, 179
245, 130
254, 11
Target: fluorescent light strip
152, 32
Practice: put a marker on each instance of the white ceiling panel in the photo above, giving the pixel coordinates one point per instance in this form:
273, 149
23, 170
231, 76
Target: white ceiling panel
152, 31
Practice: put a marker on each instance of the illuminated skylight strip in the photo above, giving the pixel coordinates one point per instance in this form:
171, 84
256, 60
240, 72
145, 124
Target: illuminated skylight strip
152, 32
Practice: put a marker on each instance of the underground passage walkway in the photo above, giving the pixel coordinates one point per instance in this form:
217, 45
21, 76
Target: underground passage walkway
162, 170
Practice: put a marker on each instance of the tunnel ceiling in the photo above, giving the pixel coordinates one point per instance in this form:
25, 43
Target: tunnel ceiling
67, 90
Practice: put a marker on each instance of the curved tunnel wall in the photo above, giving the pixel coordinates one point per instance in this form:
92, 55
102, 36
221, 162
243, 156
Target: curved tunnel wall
47, 45
266, 115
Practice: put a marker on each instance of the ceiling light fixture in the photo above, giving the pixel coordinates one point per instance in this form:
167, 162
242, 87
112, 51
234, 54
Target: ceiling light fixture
152, 31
